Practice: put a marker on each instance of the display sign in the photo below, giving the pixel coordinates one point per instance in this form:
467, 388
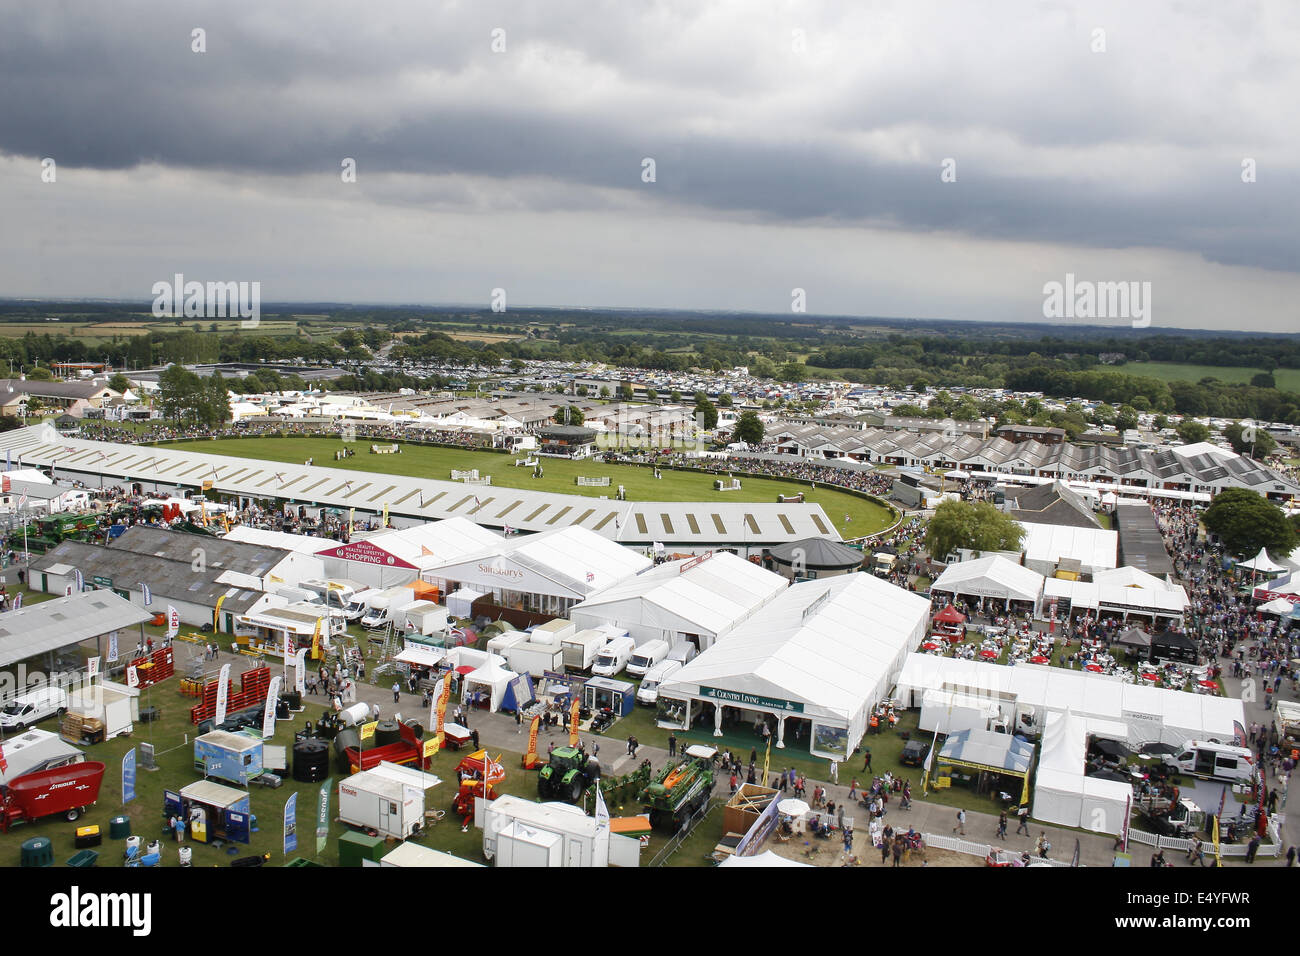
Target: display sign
128, 776
323, 814
291, 824
752, 700
366, 553
101, 582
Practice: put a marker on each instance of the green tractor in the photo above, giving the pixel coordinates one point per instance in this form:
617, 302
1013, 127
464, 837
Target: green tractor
678, 791
568, 774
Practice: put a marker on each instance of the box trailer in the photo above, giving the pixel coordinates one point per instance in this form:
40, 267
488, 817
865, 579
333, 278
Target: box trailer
529, 657
581, 648
425, 617
33, 751
412, 854
115, 706
501, 643
519, 832
552, 632
236, 758
212, 811
388, 799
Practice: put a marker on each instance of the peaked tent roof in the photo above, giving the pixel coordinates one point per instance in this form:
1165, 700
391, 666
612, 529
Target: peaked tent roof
988, 749
991, 576
817, 553
1261, 562
826, 645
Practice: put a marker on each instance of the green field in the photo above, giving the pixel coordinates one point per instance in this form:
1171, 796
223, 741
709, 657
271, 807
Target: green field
1288, 379
864, 516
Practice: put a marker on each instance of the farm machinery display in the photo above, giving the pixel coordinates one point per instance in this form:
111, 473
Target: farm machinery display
620, 790
479, 775
569, 772
67, 790
678, 791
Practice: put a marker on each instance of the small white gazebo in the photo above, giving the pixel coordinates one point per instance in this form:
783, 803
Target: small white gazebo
1261, 563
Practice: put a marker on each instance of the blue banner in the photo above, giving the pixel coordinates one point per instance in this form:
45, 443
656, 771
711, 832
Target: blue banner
323, 814
128, 776
291, 824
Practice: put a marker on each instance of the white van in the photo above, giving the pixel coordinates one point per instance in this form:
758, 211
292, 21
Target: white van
613, 657
1220, 761
21, 712
648, 692
646, 656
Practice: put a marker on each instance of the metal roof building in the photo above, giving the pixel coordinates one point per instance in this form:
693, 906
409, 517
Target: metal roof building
748, 526
63, 622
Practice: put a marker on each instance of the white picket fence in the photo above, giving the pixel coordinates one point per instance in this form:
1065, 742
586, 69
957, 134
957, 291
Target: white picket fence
592, 482
464, 475
942, 841
1180, 845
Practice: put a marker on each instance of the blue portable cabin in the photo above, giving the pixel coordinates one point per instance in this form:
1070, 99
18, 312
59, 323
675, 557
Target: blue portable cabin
212, 811
618, 695
226, 756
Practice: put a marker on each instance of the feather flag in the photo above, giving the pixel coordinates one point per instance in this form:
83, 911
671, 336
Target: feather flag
148, 595
78, 579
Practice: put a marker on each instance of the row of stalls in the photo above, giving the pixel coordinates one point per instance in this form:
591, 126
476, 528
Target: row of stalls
1000, 584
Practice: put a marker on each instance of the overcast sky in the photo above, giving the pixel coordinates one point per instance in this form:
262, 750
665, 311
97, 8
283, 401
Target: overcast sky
796, 144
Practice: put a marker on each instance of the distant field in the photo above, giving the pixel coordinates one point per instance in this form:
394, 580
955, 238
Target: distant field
103, 331
865, 517
1287, 378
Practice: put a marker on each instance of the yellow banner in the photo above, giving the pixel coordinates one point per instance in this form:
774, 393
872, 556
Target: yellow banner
368, 729
384, 523
351, 512
573, 721
216, 614
442, 710
315, 641
430, 748
532, 739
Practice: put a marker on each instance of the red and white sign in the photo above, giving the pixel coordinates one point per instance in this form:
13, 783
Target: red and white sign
366, 553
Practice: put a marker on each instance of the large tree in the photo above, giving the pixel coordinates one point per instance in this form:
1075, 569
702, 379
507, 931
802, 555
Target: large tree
979, 526
1245, 522
748, 429
706, 413
569, 415
1191, 431
1250, 439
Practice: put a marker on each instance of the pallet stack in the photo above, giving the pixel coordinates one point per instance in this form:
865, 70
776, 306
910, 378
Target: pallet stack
155, 667
253, 687
81, 730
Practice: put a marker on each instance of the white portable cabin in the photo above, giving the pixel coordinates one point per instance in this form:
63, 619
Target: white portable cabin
529, 657
388, 799
552, 632
504, 641
519, 832
412, 854
117, 705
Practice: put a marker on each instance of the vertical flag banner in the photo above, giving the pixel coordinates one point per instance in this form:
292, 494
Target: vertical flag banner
268, 715
315, 640
216, 615
531, 757
323, 815
112, 647
300, 671
223, 682
351, 513
18, 600
602, 811
173, 623
4, 764
148, 595
132, 676
79, 580
384, 523
573, 720
92, 669
445, 686
128, 776
291, 824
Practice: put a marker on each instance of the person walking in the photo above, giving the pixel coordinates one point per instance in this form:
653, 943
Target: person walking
853, 789
961, 823
835, 771
866, 759
178, 825
1252, 848
1002, 826
631, 750
672, 744
473, 737
1044, 847
397, 693
1023, 825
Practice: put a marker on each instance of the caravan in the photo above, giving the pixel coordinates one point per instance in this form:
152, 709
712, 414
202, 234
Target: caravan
1219, 761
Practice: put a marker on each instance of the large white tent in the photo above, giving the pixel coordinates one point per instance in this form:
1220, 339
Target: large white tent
992, 576
1063, 795
1045, 545
1152, 597
545, 573
826, 651
399, 556
1149, 713
699, 600
1261, 563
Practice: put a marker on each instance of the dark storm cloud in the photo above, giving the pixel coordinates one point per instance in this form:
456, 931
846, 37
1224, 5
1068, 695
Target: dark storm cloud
291, 89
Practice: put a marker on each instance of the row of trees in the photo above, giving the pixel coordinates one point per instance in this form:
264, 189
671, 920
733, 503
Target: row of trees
188, 399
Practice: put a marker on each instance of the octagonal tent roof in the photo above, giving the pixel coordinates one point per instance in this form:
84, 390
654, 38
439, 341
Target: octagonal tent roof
817, 554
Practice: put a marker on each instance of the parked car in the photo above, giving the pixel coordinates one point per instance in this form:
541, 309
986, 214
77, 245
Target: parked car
914, 753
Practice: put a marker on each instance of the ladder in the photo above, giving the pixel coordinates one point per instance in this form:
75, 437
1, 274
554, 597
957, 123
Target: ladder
385, 663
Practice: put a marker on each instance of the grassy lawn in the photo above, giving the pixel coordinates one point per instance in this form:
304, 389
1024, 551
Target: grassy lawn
864, 517
1287, 379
